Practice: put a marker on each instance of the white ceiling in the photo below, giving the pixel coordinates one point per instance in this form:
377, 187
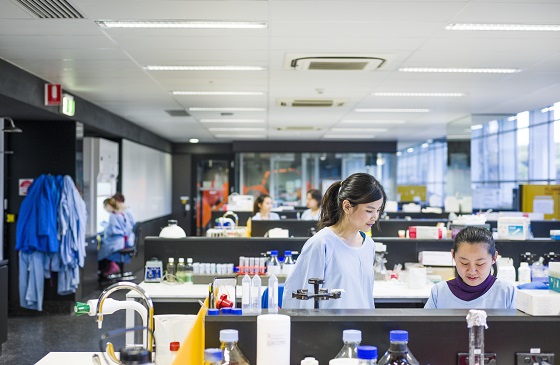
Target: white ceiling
105, 66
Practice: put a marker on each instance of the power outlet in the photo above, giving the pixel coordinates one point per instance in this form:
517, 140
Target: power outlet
489, 358
525, 358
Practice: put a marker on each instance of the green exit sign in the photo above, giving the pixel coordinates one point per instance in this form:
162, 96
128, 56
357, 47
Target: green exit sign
68, 106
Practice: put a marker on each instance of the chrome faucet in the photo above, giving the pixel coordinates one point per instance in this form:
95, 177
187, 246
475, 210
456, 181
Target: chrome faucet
148, 301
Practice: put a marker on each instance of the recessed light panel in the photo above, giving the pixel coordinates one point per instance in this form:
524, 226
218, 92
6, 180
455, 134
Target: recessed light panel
505, 27
460, 70
170, 24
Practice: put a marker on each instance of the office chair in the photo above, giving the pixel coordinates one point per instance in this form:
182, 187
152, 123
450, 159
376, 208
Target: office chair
127, 252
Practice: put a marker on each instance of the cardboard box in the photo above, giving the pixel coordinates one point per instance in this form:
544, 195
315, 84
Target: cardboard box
514, 228
436, 258
422, 232
539, 302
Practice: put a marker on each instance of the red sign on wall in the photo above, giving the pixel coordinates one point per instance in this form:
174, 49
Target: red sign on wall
53, 94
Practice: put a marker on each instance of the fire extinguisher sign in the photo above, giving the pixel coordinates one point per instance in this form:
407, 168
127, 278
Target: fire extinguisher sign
24, 185
53, 94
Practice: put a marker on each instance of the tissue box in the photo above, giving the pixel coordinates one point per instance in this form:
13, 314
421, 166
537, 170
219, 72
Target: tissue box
436, 258
514, 228
425, 232
539, 302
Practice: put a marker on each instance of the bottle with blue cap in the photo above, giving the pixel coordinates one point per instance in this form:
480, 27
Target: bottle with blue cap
367, 355
398, 352
289, 263
273, 263
213, 357
351, 339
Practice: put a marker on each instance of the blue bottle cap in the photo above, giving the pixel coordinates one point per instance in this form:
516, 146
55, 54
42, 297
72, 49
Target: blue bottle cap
274, 252
288, 253
213, 355
367, 352
236, 311
213, 312
398, 335
226, 310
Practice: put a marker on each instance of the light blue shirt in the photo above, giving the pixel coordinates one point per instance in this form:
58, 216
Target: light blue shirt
309, 216
271, 216
500, 296
327, 257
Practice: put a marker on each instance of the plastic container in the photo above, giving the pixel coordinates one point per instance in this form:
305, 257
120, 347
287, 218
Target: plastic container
506, 271
539, 272
398, 352
309, 361
273, 294
256, 304
273, 263
170, 270
524, 273
246, 294
231, 352
172, 230
273, 339
213, 357
289, 263
367, 355
351, 339
181, 271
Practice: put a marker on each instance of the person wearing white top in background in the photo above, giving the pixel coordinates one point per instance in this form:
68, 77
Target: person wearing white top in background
262, 210
314, 204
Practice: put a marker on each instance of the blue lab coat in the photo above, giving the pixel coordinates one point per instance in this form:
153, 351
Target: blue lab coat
113, 239
500, 296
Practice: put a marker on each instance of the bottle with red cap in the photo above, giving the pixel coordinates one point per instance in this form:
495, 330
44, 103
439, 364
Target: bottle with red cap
232, 353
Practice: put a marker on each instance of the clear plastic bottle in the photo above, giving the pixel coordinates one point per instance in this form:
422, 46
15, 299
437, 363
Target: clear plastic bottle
213, 357
524, 273
256, 304
273, 294
189, 271
351, 339
273, 263
398, 352
170, 270
231, 352
367, 355
288, 263
181, 271
539, 271
246, 301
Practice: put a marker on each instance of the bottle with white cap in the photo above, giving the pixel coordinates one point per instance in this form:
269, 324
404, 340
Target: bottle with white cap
232, 353
351, 339
309, 361
524, 273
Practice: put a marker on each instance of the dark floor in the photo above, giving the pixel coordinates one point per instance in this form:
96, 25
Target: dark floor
33, 336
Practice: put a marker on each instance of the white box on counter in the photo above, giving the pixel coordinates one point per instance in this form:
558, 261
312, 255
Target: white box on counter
426, 232
514, 228
538, 302
436, 258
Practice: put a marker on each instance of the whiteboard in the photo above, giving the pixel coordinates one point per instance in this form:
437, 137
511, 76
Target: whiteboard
146, 181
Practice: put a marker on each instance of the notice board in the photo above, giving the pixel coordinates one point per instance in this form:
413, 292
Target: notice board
541, 199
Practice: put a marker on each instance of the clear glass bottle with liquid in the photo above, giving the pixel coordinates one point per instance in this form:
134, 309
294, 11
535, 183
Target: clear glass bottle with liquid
289, 263
367, 355
189, 271
213, 357
231, 353
273, 263
181, 271
398, 352
351, 339
170, 270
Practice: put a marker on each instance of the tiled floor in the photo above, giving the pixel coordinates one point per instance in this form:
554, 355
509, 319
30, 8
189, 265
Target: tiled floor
33, 336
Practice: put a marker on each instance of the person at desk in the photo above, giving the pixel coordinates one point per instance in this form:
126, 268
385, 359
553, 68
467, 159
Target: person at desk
340, 252
474, 287
116, 236
124, 209
262, 211
313, 198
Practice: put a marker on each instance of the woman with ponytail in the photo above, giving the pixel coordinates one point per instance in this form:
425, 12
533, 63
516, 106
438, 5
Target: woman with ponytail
113, 239
341, 253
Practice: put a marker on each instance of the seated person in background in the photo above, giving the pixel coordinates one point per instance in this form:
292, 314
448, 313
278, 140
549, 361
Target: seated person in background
474, 252
314, 204
114, 238
128, 216
262, 210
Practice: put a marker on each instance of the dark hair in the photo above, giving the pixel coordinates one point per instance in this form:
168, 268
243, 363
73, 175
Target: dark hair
315, 195
118, 197
112, 202
260, 199
476, 235
359, 188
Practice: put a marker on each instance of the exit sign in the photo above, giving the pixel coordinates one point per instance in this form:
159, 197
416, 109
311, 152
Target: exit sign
68, 106
53, 94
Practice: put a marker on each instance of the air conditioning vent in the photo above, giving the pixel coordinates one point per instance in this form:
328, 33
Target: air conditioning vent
337, 63
50, 9
178, 113
310, 103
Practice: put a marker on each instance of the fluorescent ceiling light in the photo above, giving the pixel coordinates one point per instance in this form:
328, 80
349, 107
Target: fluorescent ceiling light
234, 129
410, 150
476, 126
507, 27
366, 110
194, 140
419, 94
348, 136
231, 121
398, 153
203, 109
358, 129
511, 119
373, 121
239, 136
194, 24
549, 109
425, 145
218, 93
461, 70
204, 68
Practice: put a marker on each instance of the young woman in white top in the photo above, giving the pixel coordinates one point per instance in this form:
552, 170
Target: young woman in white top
474, 286
262, 210
314, 204
341, 253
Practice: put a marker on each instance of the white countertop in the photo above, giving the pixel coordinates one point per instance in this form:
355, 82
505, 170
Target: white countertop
67, 358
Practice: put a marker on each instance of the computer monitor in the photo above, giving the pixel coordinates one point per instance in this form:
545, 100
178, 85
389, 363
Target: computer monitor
296, 227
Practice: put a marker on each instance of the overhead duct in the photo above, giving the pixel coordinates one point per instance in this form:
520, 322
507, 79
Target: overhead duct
50, 9
310, 103
347, 63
